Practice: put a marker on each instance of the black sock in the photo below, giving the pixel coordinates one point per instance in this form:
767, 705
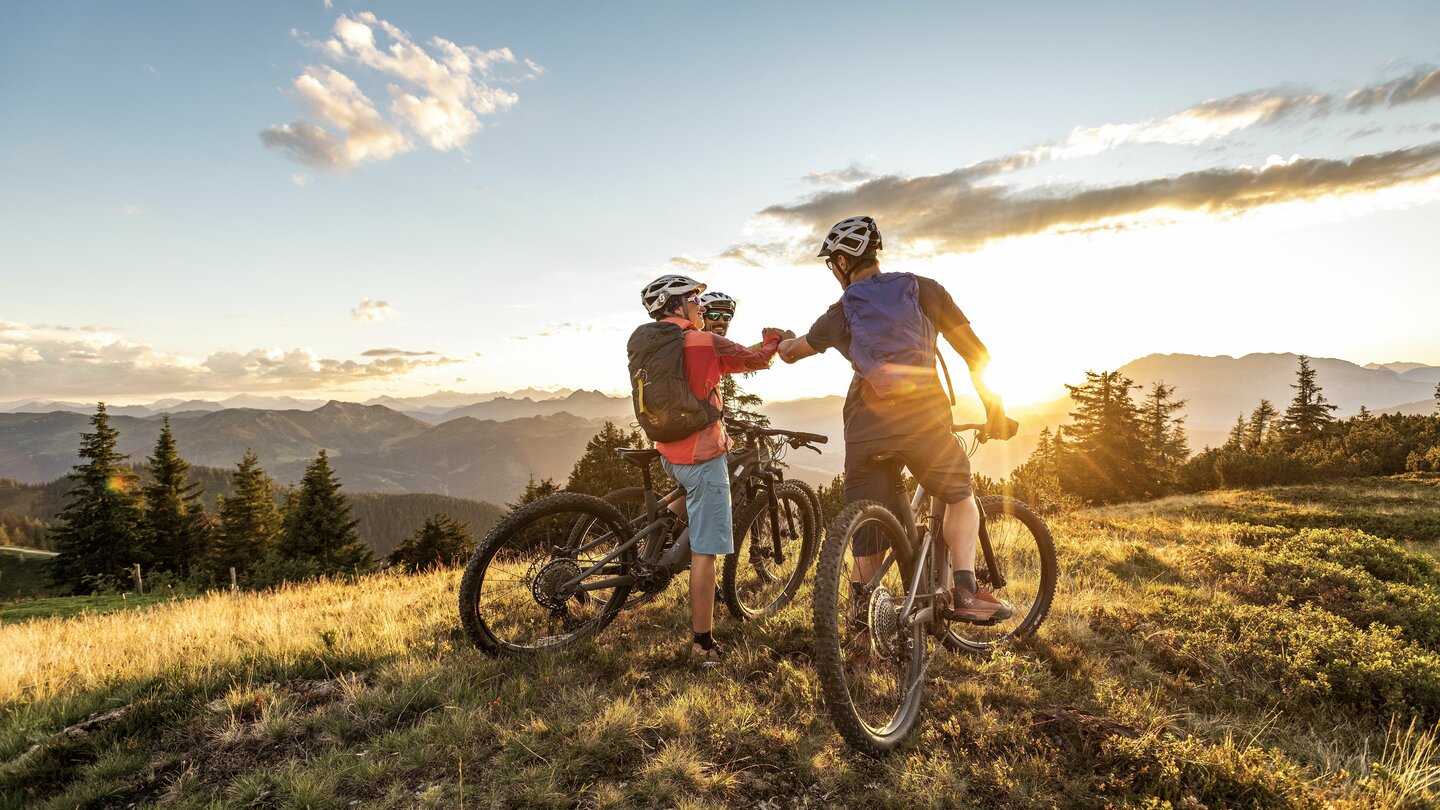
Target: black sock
705, 641
965, 580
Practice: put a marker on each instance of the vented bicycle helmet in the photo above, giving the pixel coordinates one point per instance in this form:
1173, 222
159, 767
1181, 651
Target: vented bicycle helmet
718, 300
855, 236
657, 292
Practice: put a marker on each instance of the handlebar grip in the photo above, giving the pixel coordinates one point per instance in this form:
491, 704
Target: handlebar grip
811, 437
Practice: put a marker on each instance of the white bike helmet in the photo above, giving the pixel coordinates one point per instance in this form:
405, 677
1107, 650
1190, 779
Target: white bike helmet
718, 300
657, 292
855, 236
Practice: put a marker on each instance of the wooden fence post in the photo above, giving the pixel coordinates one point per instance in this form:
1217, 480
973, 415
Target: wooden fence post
233, 585
139, 583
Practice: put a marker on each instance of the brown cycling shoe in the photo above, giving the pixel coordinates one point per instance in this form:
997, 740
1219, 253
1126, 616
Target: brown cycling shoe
981, 606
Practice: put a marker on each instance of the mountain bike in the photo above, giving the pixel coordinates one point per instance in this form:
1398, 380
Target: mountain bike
558, 570
777, 521
882, 593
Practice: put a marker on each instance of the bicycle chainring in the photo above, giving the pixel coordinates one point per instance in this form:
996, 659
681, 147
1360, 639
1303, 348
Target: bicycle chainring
547, 581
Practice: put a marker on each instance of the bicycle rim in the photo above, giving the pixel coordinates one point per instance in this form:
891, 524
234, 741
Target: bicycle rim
513, 598
1025, 555
871, 669
766, 570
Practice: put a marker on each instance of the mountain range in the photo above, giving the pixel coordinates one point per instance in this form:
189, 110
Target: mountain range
485, 446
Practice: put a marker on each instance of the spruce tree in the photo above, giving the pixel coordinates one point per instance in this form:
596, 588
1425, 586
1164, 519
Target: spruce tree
1437, 397
1258, 428
99, 536
740, 402
1107, 457
1239, 434
249, 523
442, 541
1309, 414
600, 469
319, 527
1164, 429
173, 529
534, 491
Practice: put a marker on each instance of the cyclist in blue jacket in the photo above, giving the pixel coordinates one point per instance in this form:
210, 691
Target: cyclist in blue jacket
886, 324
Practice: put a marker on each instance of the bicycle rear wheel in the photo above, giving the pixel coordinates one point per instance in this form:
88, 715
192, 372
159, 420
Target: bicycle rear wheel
871, 669
1025, 554
766, 569
513, 596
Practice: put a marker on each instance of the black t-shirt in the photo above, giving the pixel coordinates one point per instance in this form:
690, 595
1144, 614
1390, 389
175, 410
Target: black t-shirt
867, 416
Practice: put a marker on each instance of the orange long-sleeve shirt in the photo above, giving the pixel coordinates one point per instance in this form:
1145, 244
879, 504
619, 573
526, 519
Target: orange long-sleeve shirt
708, 357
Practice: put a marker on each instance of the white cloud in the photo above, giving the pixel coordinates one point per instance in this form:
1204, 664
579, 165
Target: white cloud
301, 179
371, 311
437, 95
52, 361
130, 210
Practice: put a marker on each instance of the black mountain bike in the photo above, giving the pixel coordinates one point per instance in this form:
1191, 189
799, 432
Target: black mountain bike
882, 590
560, 569
777, 521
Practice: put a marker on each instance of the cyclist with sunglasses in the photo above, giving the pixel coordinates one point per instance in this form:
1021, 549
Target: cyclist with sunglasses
719, 311
697, 461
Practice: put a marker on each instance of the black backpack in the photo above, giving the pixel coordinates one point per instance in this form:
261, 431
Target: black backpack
664, 405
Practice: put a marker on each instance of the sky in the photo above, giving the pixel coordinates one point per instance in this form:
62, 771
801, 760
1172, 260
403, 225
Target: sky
335, 199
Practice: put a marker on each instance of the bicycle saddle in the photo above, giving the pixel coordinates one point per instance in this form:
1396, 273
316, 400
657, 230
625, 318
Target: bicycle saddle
638, 456
889, 458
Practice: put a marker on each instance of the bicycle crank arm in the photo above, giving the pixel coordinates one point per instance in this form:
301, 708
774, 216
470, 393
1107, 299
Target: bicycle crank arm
924, 615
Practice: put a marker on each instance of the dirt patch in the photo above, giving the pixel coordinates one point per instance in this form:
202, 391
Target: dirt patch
1074, 730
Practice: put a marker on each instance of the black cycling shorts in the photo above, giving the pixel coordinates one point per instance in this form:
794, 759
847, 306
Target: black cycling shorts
935, 458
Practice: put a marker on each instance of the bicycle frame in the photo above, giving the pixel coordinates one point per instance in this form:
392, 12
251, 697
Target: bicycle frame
677, 557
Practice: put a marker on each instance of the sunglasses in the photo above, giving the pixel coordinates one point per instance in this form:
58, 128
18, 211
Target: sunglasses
719, 316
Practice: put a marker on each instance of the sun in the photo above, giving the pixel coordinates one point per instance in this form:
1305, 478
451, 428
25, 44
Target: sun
1019, 384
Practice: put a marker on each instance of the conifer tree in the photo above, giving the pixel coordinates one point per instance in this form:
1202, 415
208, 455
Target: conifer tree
740, 402
1309, 414
600, 469
1258, 428
319, 526
1238, 433
1164, 430
1108, 459
1437, 397
249, 523
99, 534
534, 491
442, 541
173, 531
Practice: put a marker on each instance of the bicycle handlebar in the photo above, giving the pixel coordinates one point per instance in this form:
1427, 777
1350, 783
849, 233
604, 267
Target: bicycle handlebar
755, 430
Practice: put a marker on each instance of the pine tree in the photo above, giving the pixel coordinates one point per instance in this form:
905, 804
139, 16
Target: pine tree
1107, 457
1258, 428
1236, 439
1437, 397
600, 469
534, 491
320, 527
1164, 431
740, 402
442, 541
99, 536
1309, 414
173, 532
249, 523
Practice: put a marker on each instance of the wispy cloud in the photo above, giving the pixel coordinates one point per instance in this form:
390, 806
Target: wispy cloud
36, 360
396, 353
438, 93
958, 214
370, 311
1420, 85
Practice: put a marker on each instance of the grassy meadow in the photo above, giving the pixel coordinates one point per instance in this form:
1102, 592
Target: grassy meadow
1271, 648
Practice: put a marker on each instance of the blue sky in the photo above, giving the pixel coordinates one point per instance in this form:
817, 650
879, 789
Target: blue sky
152, 245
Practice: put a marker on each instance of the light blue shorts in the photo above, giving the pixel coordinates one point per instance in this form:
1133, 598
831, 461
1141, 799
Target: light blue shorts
707, 500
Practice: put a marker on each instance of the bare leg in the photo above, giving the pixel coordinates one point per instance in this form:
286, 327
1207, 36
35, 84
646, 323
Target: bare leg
702, 592
677, 508
962, 533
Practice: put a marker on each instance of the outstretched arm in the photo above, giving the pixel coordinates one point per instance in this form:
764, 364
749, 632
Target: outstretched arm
796, 349
967, 344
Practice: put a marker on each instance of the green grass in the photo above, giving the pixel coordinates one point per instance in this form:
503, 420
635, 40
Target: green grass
22, 574
60, 606
1214, 651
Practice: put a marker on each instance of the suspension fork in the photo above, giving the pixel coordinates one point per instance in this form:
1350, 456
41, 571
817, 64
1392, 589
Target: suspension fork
771, 485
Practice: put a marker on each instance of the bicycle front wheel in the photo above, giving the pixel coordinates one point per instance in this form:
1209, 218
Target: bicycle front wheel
1024, 554
767, 567
525, 589
871, 668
